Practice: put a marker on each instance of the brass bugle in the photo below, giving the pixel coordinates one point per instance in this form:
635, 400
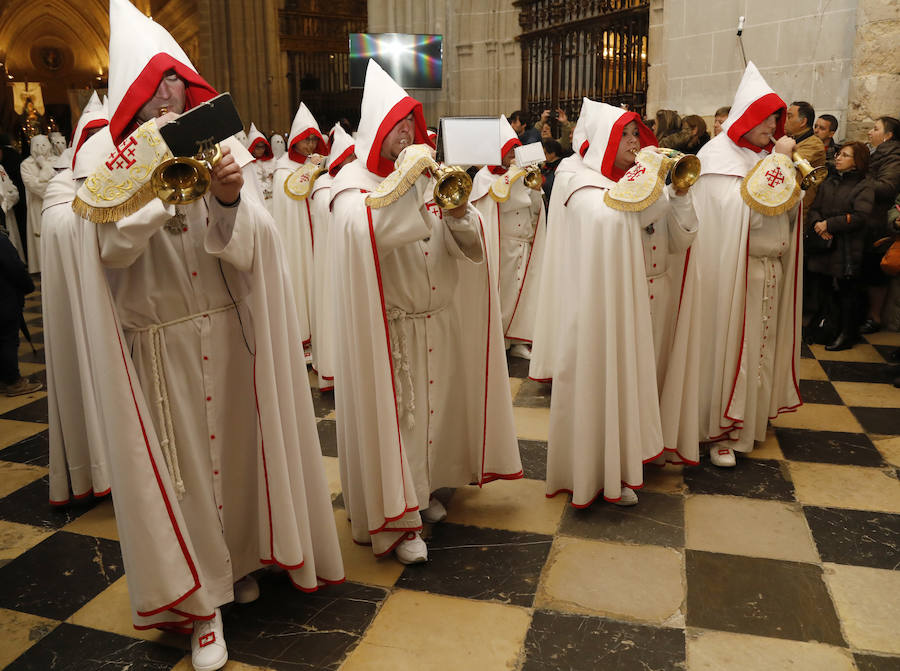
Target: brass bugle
452, 186
184, 179
684, 169
810, 176
530, 175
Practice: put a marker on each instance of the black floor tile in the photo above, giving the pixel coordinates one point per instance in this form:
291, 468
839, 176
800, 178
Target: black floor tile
73, 648
765, 597
533, 395
327, 437
288, 630
819, 391
30, 505
854, 371
805, 351
828, 447
856, 537
754, 478
34, 450
60, 574
36, 411
580, 643
657, 519
534, 458
876, 663
887, 352
323, 402
479, 563
878, 420
517, 367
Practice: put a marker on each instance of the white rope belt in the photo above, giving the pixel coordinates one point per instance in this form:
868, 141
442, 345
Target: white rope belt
160, 387
400, 353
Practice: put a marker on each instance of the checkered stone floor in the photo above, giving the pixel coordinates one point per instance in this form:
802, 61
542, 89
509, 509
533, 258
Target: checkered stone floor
791, 560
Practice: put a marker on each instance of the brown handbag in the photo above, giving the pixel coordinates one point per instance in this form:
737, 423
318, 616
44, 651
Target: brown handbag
890, 262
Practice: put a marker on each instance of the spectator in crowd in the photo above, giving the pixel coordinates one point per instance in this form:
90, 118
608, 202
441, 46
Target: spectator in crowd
553, 152
798, 123
565, 128
719, 118
690, 138
15, 284
839, 214
884, 177
825, 128
667, 122
519, 121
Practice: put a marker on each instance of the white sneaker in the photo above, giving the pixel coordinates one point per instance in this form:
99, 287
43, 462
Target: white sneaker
627, 498
412, 550
435, 512
520, 351
246, 590
722, 456
208, 651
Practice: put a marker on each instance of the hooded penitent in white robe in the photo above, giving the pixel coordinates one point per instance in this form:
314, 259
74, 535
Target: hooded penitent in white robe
37, 171
57, 143
213, 452
277, 144
78, 465
9, 196
604, 412
751, 283
515, 231
545, 346
264, 166
421, 387
323, 337
295, 220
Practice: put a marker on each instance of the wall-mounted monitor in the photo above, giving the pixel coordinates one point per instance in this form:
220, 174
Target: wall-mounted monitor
413, 61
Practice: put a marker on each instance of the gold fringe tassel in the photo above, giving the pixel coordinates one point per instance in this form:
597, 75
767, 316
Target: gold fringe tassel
641, 205
408, 178
110, 215
768, 210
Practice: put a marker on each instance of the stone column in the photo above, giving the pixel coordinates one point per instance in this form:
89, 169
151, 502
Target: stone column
875, 85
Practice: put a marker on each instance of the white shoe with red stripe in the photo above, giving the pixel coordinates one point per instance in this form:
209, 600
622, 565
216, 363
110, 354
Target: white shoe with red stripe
208, 651
722, 456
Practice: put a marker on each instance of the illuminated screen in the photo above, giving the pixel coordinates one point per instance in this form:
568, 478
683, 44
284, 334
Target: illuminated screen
414, 61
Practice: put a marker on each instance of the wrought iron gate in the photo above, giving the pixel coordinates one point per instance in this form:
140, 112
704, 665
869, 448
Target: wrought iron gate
583, 48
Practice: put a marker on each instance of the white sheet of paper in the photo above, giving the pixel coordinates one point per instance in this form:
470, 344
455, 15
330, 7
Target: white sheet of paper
471, 140
529, 154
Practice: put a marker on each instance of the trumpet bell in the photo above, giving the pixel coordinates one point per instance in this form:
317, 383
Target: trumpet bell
533, 178
181, 180
810, 176
452, 188
685, 172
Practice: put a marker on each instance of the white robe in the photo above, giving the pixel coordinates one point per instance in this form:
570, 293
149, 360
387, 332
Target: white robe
242, 507
421, 387
9, 196
604, 412
36, 179
750, 292
78, 464
294, 221
669, 227
515, 232
323, 325
553, 273
264, 171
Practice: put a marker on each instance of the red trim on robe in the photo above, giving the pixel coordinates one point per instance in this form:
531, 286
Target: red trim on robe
755, 114
78, 497
737, 370
335, 165
312, 237
595, 497
268, 156
375, 162
646, 136
96, 123
321, 145
524, 276
196, 89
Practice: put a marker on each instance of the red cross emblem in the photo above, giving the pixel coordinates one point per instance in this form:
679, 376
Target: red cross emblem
775, 177
304, 177
123, 156
207, 639
434, 209
636, 172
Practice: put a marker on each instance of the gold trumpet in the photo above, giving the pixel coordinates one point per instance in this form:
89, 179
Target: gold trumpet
184, 179
810, 176
684, 169
452, 184
530, 175
299, 183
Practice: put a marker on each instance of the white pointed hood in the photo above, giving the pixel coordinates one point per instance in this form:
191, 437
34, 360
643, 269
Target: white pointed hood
303, 126
92, 153
508, 138
140, 52
341, 147
254, 137
603, 127
277, 144
753, 102
384, 104
94, 115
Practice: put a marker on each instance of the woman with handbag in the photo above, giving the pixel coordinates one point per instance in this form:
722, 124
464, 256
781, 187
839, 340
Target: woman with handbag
840, 212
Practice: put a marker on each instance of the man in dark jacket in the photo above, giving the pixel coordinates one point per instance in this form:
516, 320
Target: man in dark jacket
11, 160
15, 284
